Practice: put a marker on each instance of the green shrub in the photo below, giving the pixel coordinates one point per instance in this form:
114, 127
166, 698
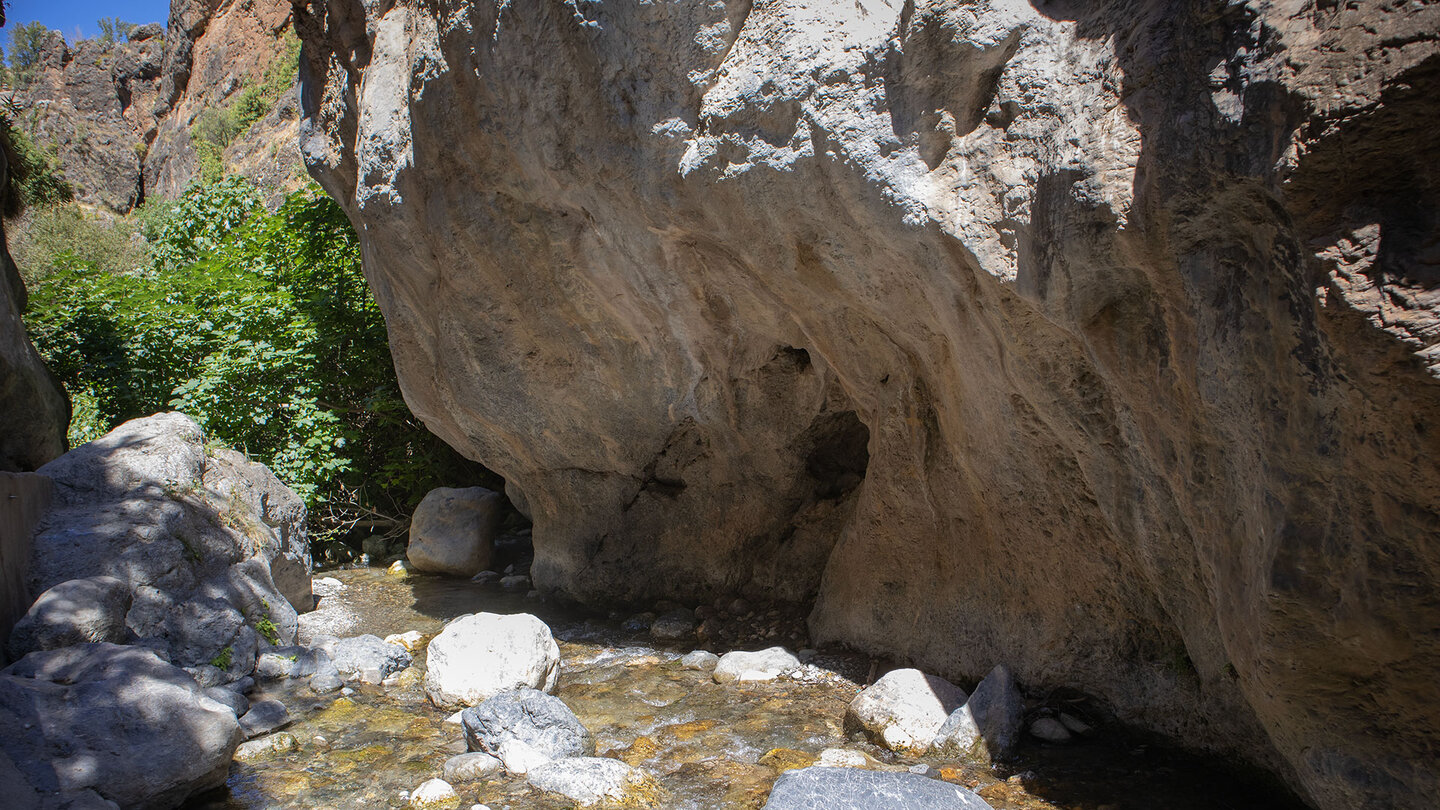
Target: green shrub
262, 328
35, 177
26, 43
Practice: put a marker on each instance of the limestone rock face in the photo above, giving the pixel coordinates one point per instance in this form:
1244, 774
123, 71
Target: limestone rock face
1097, 339
120, 115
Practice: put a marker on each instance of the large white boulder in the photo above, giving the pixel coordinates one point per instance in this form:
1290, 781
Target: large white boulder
905, 709
483, 654
453, 531
761, 665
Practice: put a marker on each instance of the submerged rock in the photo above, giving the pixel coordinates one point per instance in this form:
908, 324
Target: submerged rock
434, 794
116, 720
453, 531
589, 780
824, 788
471, 766
700, 659
905, 709
483, 654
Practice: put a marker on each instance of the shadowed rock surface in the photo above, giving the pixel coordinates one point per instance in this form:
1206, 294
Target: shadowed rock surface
1097, 339
193, 533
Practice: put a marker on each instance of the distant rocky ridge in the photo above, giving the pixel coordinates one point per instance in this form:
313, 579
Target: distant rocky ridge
121, 117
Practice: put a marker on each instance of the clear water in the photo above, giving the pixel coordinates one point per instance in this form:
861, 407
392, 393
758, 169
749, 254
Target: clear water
707, 745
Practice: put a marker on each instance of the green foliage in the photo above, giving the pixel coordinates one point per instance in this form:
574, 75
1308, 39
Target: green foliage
265, 626
217, 128
223, 658
35, 177
60, 236
113, 29
27, 42
262, 328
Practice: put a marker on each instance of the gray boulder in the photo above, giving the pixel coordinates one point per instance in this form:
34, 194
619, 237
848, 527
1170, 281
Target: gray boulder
988, 725
115, 720
700, 659
366, 657
193, 533
74, 612
524, 728
823, 788
453, 531
264, 717
587, 780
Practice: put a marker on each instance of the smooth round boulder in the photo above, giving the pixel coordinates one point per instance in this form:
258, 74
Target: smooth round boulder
905, 709
453, 531
481, 655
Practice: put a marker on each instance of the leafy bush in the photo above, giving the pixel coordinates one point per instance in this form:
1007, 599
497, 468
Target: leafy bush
217, 128
35, 177
262, 328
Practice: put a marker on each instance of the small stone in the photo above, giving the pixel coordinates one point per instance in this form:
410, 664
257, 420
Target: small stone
486, 578
738, 607
262, 747
411, 640
905, 709
638, 623
922, 769
434, 794
1050, 730
326, 682
319, 741
471, 767
516, 583
455, 719
232, 700
399, 568
701, 660
347, 691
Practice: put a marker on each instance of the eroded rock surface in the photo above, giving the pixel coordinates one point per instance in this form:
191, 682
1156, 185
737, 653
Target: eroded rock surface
192, 533
1093, 338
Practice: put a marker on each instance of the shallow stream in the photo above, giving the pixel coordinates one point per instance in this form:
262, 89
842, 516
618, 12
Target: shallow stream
707, 745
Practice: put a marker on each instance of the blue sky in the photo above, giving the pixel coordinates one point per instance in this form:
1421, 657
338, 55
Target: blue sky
76, 18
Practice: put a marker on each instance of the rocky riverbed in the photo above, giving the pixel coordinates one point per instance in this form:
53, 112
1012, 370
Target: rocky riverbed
693, 742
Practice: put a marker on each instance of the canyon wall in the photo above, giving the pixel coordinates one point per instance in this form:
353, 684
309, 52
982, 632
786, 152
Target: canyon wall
1097, 339
124, 118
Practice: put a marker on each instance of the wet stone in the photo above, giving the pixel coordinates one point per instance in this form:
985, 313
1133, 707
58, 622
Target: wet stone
823, 788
